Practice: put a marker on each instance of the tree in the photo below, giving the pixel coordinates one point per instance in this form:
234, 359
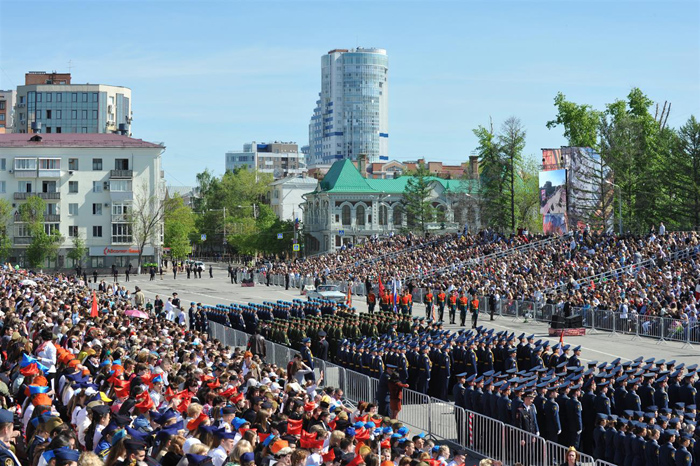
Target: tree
512, 143
527, 198
146, 218
78, 251
416, 199
581, 122
683, 175
44, 244
179, 227
5, 219
493, 178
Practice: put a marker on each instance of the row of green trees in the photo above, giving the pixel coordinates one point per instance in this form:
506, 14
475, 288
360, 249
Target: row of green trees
232, 213
653, 167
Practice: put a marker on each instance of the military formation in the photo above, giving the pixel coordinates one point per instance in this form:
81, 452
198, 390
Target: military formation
643, 410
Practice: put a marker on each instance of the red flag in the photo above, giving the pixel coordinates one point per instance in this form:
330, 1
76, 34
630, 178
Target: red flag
561, 342
381, 287
93, 310
294, 426
349, 298
329, 457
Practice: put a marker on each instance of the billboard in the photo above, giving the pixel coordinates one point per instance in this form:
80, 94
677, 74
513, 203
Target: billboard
588, 193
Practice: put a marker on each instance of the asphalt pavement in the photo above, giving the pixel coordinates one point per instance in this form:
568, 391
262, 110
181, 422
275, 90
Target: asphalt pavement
597, 346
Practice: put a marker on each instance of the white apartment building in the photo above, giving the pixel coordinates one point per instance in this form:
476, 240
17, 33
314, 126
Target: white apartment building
281, 159
351, 116
89, 182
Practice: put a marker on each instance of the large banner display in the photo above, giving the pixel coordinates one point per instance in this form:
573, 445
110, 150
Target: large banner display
587, 194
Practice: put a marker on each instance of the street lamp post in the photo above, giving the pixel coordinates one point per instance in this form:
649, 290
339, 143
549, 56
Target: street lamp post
619, 199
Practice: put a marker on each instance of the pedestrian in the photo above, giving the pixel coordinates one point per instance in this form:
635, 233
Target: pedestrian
94, 276
395, 394
211, 272
474, 309
174, 271
126, 274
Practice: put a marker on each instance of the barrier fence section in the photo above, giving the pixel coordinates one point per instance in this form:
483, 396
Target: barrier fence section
440, 419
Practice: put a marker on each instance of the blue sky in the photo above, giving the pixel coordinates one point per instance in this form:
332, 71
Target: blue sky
208, 76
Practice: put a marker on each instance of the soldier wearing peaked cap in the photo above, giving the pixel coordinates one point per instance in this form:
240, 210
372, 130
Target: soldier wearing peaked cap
7, 456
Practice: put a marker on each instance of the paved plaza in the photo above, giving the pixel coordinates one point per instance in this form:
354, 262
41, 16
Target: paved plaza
598, 346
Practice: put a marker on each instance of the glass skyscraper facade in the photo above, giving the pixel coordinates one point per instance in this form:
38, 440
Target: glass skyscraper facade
351, 116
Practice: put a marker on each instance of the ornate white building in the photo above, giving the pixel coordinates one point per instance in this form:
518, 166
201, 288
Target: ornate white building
347, 208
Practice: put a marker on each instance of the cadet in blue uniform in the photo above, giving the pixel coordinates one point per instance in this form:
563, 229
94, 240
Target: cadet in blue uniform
682, 455
7, 457
651, 449
661, 393
424, 368
552, 427
646, 392
574, 360
574, 417
599, 437
667, 452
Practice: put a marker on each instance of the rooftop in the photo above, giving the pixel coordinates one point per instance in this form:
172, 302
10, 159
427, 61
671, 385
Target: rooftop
343, 176
74, 140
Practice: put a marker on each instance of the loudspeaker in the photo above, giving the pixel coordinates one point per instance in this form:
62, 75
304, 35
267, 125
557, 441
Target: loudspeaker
557, 322
574, 322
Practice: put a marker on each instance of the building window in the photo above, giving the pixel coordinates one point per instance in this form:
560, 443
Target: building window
49, 96
96, 187
121, 233
48, 114
84, 96
59, 114
51, 228
398, 216
24, 187
73, 164
120, 186
3, 164
83, 114
58, 129
38, 96
74, 114
360, 215
73, 187
38, 115
73, 231
97, 231
121, 164
49, 164
94, 114
94, 96
2, 187
59, 97
74, 97
346, 215
84, 129
96, 164
2, 105
120, 211
97, 209
2, 117
73, 209
25, 164
48, 130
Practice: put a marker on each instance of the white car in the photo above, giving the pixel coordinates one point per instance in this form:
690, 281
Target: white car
199, 265
329, 292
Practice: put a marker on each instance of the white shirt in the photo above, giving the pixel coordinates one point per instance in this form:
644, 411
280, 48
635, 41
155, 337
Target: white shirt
47, 356
218, 456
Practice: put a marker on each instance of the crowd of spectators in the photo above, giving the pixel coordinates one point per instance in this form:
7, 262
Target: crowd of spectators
85, 380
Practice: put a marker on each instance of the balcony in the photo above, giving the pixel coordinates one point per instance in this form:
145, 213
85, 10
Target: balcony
49, 173
22, 241
22, 173
121, 174
48, 218
45, 196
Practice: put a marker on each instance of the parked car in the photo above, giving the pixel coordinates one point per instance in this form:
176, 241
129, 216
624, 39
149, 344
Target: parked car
330, 292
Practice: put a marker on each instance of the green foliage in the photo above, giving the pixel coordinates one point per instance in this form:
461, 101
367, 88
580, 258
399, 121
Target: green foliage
179, 227
657, 169
527, 197
494, 179
416, 199
5, 220
581, 123
44, 245
79, 249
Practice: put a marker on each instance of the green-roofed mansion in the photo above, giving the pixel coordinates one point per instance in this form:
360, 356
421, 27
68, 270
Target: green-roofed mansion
347, 208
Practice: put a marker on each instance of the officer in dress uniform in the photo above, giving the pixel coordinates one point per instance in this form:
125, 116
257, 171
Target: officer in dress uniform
574, 417
511, 362
307, 357
661, 393
552, 427
646, 392
667, 451
574, 360
424, 368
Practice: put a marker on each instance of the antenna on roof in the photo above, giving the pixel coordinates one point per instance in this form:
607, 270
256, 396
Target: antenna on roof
70, 66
